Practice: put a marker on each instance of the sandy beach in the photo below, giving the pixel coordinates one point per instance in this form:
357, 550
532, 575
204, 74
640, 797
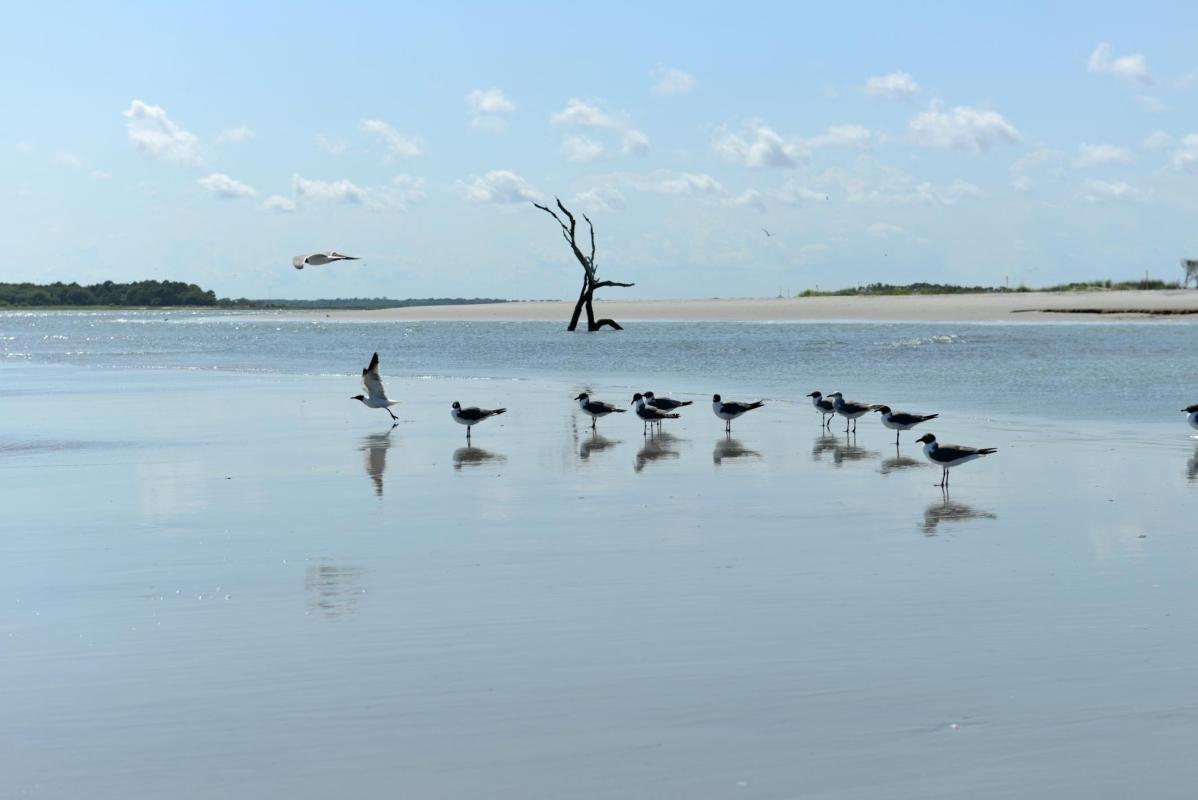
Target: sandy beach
1022, 307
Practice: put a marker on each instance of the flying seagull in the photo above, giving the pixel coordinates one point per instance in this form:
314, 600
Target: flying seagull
376, 395
320, 259
729, 411
947, 456
767, 233
899, 421
472, 416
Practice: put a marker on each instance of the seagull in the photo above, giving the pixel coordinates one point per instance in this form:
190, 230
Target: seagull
320, 259
767, 233
665, 403
376, 396
1192, 411
824, 407
730, 411
848, 409
898, 421
649, 414
948, 456
472, 416
595, 408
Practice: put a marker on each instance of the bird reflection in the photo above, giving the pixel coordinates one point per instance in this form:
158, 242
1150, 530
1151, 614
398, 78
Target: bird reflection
375, 447
900, 461
657, 446
334, 590
842, 449
470, 456
594, 443
1192, 466
727, 447
948, 511
824, 443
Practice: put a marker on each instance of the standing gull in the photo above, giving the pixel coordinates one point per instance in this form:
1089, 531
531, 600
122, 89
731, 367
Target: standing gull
649, 414
665, 403
595, 408
320, 259
730, 410
824, 407
848, 409
899, 421
472, 416
1192, 415
376, 396
948, 456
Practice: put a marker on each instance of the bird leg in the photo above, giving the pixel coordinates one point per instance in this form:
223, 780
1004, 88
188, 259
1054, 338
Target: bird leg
393, 415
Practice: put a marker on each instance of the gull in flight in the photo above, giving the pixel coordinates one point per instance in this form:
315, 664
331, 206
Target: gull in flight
320, 259
473, 415
947, 456
376, 395
767, 233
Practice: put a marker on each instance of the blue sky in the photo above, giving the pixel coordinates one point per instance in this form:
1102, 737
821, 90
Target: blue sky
212, 142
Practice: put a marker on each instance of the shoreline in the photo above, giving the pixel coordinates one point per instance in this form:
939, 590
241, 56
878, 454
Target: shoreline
1172, 304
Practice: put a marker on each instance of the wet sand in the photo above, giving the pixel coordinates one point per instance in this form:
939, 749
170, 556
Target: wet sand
221, 585
1023, 307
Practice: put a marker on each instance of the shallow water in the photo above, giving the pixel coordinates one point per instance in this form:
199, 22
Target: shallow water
220, 583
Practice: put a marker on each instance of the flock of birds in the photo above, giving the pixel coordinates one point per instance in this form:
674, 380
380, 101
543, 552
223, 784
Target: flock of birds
653, 411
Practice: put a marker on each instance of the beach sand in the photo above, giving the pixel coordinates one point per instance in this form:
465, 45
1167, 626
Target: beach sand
1022, 307
220, 585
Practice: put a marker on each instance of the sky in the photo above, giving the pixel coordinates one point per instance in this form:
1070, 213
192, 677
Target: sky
210, 142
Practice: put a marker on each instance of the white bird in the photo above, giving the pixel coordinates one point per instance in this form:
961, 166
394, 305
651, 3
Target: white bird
473, 415
648, 413
320, 259
824, 407
1192, 411
947, 456
376, 395
848, 409
731, 410
899, 421
596, 408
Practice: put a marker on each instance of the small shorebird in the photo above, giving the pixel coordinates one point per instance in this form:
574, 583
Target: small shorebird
1192, 411
473, 415
947, 456
595, 408
320, 259
665, 403
648, 413
376, 396
824, 407
899, 421
731, 410
848, 409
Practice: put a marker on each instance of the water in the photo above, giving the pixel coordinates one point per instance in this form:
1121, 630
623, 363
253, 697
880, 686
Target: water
221, 577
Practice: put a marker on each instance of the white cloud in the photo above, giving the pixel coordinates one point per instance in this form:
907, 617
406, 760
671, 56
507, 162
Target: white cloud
883, 230
488, 108
1097, 155
157, 136
68, 160
279, 204
759, 146
1185, 157
1151, 104
406, 189
844, 136
962, 128
895, 86
1133, 68
584, 115
399, 145
100, 175
342, 191
1107, 191
580, 148
670, 80
601, 198
1043, 162
635, 144
792, 193
1022, 183
679, 183
333, 147
499, 186
946, 195
239, 134
1157, 140
222, 185
749, 198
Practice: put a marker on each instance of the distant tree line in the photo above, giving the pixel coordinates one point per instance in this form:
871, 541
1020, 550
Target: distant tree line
374, 302
140, 293
945, 288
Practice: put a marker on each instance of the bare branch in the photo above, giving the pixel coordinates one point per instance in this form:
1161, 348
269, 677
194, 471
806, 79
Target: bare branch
551, 213
591, 225
601, 284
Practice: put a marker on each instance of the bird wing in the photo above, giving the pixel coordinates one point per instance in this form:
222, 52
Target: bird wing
599, 407
951, 452
474, 413
911, 419
335, 256
298, 262
372, 381
739, 408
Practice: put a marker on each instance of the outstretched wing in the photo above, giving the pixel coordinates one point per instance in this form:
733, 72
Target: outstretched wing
298, 262
372, 381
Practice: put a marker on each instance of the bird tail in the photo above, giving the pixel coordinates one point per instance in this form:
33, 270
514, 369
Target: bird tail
670, 416
686, 402
498, 411
758, 404
619, 410
928, 417
985, 451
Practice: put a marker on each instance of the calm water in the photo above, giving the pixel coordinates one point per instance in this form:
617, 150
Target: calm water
220, 577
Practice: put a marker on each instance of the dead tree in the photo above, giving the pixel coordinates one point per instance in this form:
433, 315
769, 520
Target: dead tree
1190, 265
590, 281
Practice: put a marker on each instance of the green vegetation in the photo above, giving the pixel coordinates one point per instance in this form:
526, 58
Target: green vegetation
886, 289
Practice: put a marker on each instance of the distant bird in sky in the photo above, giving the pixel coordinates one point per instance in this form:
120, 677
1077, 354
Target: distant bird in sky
899, 421
824, 407
320, 259
473, 415
596, 408
767, 233
376, 396
730, 410
1192, 417
947, 456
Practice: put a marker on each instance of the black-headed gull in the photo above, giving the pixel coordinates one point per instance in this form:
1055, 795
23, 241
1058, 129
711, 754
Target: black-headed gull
899, 421
596, 408
947, 456
320, 259
473, 415
376, 396
648, 413
730, 410
849, 409
665, 403
824, 407
1192, 415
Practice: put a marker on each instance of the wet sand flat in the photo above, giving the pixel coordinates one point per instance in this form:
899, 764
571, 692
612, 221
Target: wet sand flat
247, 585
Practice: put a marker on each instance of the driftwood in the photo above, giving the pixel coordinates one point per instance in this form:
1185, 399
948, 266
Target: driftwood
590, 280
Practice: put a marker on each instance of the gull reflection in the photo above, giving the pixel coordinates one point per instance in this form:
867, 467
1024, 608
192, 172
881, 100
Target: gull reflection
842, 449
824, 443
657, 446
594, 443
1192, 466
334, 589
727, 447
900, 461
375, 447
948, 511
471, 456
